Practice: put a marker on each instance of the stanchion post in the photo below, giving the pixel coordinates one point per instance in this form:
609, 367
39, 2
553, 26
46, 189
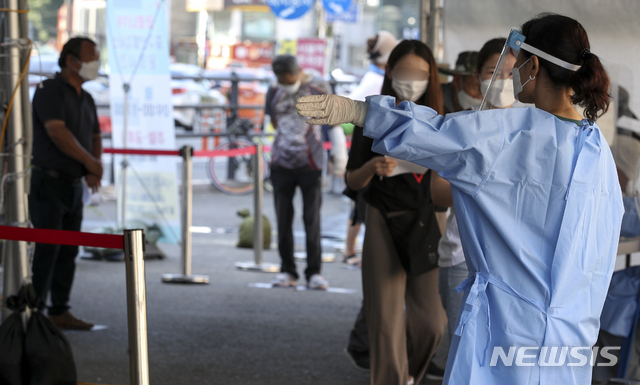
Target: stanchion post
136, 307
258, 195
126, 87
186, 206
258, 240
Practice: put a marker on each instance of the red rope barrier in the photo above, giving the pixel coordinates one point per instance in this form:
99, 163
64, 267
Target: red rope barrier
141, 152
228, 153
62, 237
201, 153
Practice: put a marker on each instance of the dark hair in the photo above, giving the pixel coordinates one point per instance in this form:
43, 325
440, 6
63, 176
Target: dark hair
285, 64
566, 39
371, 43
433, 95
72, 47
490, 48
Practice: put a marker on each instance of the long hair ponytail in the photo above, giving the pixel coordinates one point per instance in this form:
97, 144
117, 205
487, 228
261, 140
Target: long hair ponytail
591, 87
566, 39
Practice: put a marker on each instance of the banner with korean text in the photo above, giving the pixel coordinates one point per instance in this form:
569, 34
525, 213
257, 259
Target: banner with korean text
313, 54
138, 57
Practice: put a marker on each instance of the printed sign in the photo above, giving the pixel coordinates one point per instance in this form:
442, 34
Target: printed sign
351, 15
312, 54
290, 9
336, 7
137, 43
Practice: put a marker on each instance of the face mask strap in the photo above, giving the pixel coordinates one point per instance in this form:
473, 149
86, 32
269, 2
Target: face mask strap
530, 77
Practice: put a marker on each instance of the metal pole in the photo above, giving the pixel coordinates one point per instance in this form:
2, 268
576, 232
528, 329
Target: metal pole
424, 21
15, 253
187, 207
434, 28
233, 100
201, 37
258, 194
257, 206
27, 121
136, 307
125, 163
321, 22
187, 215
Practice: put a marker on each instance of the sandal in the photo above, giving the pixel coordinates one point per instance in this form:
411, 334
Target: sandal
352, 260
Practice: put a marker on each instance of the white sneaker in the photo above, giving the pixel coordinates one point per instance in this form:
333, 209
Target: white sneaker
284, 280
317, 282
410, 381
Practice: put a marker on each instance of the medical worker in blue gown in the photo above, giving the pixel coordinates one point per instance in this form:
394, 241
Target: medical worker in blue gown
537, 201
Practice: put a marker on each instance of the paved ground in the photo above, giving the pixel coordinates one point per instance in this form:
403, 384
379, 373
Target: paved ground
226, 332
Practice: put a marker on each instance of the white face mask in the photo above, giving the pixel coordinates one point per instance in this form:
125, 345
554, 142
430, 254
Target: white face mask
467, 101
501, 92
291, 88
89, 70
410, 90
517, 82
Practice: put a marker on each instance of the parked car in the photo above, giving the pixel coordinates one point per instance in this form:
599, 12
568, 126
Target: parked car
188, 88
345, 83
45, 66
184, 91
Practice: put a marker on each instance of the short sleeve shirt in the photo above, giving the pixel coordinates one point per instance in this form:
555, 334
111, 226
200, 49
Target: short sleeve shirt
298, 146
58, 100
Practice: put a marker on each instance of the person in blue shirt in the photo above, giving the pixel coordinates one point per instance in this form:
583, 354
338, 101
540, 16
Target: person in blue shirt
538, 205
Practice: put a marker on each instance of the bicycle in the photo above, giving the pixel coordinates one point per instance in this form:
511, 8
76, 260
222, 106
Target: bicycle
235, 175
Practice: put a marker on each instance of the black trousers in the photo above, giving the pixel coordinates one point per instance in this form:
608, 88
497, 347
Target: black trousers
284, 189
55, 204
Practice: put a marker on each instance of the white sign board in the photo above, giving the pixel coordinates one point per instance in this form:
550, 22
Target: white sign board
138, 54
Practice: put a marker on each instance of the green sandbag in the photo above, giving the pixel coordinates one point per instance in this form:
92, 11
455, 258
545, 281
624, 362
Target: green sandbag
151, 233
245, 235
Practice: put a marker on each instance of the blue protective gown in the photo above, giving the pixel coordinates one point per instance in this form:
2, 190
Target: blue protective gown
620, 307
539, 208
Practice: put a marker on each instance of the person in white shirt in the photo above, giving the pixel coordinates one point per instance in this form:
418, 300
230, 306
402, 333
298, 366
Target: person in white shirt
378, 47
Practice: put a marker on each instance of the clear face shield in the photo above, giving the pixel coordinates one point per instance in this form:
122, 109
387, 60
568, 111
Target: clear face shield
499, 92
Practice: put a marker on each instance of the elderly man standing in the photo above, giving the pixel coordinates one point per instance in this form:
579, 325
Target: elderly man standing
296, 161
66, 148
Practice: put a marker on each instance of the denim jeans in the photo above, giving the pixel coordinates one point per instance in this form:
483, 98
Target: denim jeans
450, 278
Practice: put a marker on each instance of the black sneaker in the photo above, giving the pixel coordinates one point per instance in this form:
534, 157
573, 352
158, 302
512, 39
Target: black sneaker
434, 372
358, 359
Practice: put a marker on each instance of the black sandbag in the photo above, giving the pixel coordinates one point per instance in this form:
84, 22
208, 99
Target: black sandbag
48, 354
11, 350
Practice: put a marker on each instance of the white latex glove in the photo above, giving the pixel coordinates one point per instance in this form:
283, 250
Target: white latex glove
332, 110
338, 150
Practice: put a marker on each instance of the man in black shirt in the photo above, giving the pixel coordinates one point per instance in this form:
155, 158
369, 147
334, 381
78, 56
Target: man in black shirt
66, 148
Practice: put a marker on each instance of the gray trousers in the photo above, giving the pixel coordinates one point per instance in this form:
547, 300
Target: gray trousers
404, 314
